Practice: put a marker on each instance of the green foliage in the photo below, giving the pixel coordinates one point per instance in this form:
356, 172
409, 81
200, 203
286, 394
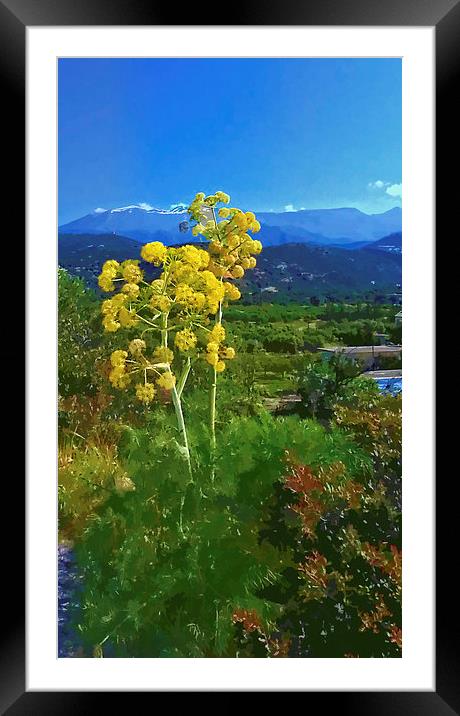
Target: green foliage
324, 383
166, 565
78, 337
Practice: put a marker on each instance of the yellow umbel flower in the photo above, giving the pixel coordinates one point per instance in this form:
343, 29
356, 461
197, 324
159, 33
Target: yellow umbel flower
185, 339
237, 272
217, 334
111, 267
127, 318
161, 354
167, 380
118, 376
212, 347
132, 273
160, 303
137, 346
231, 291
105, 282
220, 366
110, 325
212, 359
222, 196
154, 253
131, 290
145, 392
197, 258
118, 358
229, 353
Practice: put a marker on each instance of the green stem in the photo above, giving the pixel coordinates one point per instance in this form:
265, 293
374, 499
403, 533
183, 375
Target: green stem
213, 393
184, 376
176, 397
180, 420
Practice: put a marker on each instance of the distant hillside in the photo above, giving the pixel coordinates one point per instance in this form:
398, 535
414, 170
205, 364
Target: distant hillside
292, 270
318, 226
391, 243
300, 270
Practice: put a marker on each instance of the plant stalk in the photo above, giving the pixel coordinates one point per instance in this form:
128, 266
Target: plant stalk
180, 420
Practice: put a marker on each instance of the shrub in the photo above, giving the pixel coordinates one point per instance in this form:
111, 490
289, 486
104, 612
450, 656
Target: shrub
167, 566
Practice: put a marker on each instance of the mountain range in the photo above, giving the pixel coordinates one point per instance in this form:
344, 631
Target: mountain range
346, 227
293, 271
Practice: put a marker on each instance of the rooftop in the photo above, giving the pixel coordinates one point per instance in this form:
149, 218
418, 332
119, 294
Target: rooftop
362, 349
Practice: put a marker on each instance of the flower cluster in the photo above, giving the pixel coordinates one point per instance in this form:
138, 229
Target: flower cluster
215, 351
175, 308
232, 249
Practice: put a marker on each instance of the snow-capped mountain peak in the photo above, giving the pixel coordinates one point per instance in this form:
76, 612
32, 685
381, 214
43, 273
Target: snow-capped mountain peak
147, 208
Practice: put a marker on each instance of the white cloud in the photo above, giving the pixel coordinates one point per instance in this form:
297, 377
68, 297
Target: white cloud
144, 205
394, 190
379, 184
99, 210
289, 207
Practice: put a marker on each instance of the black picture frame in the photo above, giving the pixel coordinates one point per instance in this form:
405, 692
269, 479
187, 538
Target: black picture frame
444, 15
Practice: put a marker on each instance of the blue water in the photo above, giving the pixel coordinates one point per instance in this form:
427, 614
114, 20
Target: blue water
389, 385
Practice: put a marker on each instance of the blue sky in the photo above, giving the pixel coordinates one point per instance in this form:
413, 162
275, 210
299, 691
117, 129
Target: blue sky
273, 133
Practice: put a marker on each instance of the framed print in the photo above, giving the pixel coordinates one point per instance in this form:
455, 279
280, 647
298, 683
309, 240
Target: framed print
223, 470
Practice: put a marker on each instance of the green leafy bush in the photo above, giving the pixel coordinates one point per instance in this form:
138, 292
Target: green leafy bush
168, 565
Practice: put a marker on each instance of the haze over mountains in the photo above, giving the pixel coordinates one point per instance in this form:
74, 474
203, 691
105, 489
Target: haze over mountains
335, 227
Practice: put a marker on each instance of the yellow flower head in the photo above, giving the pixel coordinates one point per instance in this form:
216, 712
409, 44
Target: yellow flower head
127, 318
131, 290
110, 325
118, 377
163, 355
185, 339
137, 346
131, 272
197, 258
222, 196
160, 303
231, 291
118, 358
145, 392
167, 380
220, 366
105, 282
110, 268
217, 335
237, 272
155, 253
229, 353
212, 359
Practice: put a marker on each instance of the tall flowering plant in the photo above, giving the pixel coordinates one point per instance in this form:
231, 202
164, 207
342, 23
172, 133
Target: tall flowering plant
177, 317
232, 252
